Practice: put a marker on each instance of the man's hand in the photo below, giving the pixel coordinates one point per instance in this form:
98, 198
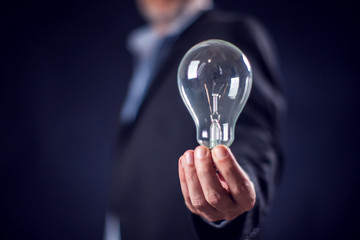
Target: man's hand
213, 184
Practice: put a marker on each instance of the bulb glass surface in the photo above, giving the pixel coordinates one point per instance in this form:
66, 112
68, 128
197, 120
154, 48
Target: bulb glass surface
214, 80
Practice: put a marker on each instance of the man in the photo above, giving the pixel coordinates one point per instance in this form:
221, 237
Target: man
156, 129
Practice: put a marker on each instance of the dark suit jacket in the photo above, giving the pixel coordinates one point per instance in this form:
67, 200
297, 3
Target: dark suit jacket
147, 192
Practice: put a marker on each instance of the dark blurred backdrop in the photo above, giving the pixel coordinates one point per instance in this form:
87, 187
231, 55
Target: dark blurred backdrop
59, 102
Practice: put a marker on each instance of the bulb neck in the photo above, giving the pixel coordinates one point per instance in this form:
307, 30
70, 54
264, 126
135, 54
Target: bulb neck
215, 134
215, 128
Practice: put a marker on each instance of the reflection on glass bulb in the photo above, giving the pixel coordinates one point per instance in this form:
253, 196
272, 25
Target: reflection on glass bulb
214, 80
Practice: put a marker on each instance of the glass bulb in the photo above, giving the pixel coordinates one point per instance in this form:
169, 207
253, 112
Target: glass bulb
214, 80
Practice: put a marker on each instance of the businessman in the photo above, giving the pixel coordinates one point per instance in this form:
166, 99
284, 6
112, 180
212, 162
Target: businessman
165, 185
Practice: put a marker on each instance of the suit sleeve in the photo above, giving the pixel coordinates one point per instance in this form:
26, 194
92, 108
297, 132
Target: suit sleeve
257, 145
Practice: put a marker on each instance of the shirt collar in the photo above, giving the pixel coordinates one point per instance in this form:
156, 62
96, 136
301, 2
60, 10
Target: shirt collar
143, 41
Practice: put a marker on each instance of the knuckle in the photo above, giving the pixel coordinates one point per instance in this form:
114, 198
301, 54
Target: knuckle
199, 203
243, 187
236, 190
204, 166
222, 161
190, 171
190, 207
203, 169
213, 199
246, 187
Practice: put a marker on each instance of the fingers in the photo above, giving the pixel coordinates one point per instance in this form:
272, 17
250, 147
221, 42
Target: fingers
240, 186
197, 197
213, 191
183, 185
215, 196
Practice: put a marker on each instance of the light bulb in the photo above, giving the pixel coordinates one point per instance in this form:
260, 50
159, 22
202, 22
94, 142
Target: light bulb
214, 80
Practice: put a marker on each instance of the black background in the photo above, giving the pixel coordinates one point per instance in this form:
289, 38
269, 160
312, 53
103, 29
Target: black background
60, 83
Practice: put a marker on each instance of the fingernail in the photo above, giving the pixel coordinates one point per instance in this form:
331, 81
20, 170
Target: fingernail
200, 152
189, 158
220, 152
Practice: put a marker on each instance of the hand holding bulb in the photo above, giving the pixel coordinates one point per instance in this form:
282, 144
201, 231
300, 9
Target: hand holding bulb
221, 195
214, 80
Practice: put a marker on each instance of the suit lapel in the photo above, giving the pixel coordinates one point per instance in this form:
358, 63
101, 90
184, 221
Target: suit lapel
172, 59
